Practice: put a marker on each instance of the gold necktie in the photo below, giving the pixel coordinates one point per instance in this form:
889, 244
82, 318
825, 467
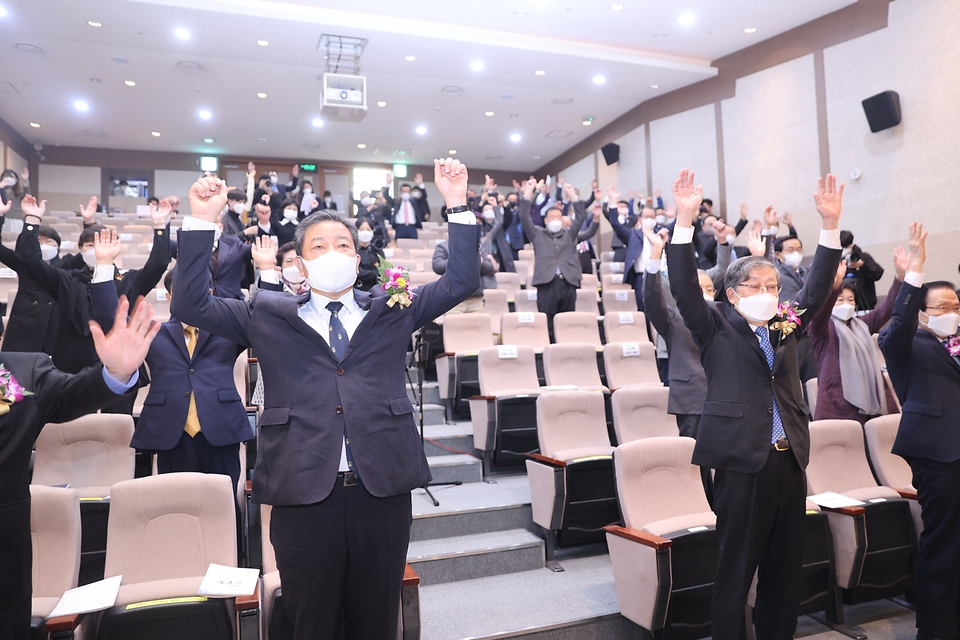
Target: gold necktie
193, 421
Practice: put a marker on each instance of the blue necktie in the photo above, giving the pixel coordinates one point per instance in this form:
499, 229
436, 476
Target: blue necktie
767, 348
338, 344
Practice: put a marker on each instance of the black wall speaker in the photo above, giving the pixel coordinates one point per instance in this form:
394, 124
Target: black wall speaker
883, 110
611, 152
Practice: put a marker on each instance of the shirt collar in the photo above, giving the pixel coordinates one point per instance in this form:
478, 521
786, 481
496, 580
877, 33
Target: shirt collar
319, 302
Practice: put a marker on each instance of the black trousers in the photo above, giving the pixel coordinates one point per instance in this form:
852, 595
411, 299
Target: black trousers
196, 454
937, 570
556, 296
759, 524
16, 570
342, 560
405, 230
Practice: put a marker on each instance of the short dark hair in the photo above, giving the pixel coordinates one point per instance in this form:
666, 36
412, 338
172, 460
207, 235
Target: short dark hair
153, 200
846, 238
264, 176
405, 184
168, 280
850, 284
708, 201
47, 231
739, 271
286, 246
326, 193
236, 195
778, 243
936, 285
87, 234
626, 202
324, 215
289, 202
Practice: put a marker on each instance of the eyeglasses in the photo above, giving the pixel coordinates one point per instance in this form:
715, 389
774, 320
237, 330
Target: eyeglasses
955, 309
760, 288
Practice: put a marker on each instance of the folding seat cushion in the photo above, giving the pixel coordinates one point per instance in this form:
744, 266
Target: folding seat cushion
526, 300
55, 531
509, 282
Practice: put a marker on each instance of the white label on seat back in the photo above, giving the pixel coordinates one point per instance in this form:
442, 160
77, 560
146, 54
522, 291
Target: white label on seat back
68, 244
616, 267
7, 273
695, 529
524, 318
161, 295
532, 295
626, 318
126, 237
631, 349
617, 278
388, 253
507, 351
621, 295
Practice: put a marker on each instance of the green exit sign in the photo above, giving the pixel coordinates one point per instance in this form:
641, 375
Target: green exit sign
308, 166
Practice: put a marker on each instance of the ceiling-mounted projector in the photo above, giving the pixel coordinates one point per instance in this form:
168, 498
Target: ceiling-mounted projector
343, 97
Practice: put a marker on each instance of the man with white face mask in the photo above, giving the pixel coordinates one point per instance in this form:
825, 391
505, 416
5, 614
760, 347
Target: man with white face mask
789, 254
339, 451
920, 348
754, 429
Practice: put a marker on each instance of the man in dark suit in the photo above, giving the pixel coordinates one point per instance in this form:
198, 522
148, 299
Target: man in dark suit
789, 253
338, 450
926, 375
57, 397
862, 267
754, 429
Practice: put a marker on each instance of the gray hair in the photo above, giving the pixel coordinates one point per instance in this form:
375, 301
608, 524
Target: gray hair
324, 215
739, 271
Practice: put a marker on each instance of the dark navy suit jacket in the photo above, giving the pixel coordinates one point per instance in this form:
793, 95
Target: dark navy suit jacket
311, 397
927, 380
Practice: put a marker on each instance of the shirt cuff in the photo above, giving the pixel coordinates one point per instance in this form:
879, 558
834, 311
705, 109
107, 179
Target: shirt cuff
118, 387
682, 235
196, 224
269, 276
653, 265
830, 238
914, 279
463, 217
102, 273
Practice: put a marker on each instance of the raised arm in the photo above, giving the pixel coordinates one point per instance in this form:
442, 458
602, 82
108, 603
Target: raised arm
159, 258
819, 282
618, 228
654, 302
880, 316
719, 270
896, 341
526, 201
32, 265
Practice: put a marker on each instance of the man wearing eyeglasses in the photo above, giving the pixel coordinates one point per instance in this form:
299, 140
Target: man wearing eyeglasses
754, 426
920, 348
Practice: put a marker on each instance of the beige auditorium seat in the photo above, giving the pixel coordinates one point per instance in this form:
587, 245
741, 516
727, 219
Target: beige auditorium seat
576, 326
410, 264
607, 256
591, 282
164, 532
875, 544
495, 305
527, 255
572, 363
508, 282
665, 557
625, 326
133, 261
610, 267
619, 300
504, 415
55, 533
640, 411
571, 480
464, 335
526, 300
420, 278
525, 271
587, 302
892, 470
526, 328
411, 243
812, 390
425, 256
630, 363
613, 281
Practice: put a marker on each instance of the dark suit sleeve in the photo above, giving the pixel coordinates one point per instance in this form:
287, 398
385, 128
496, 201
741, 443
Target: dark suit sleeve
440, 259
529, 229
156, 264
269, 286
580, 216
819, 283
589, 232
685, 287
654, 304
192, 301
105, 300
896, 341
32, 265
880, 316
870, 268
740, 225
62, 397
460, 281
622, 232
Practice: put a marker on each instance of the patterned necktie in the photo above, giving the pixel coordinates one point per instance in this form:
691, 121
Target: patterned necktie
192, 427
338, 344
767, 348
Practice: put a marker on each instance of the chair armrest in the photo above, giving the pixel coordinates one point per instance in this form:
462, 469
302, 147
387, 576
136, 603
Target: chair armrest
249, 603
248, 488
553, 462
445, 354
252, 360
635, 535
63, 623
847, 511
487, 398
410, 577
909, 494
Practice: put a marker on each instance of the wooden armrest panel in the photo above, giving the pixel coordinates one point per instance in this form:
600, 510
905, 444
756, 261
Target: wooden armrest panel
487, 398
847, 511
252, 360
410, 577
248, 488
63, 623
553, 462
909, 494
635, 535
249, 603
446, 354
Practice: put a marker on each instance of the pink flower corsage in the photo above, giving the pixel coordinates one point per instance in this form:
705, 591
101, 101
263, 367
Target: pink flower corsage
395, 281
953, 346
11, 391
787, 318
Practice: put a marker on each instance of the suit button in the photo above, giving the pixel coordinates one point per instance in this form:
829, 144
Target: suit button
186, 394
339, 409
770, 411
191, 370
772, 378
340, 372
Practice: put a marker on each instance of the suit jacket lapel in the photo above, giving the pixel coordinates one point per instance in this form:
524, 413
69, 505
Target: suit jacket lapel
289, 309
176, 332
202, 338
374, 306
745, 329
938, 346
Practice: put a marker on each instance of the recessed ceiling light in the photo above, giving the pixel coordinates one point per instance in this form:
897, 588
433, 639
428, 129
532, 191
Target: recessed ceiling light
155, 134
35, 125
587, 121
599, 79
616, 7
361, 146
540, 72
536, 157
421, 130
3, 12
263, 43
80, 105
381, 104
750, 30
452, 152
476, 65
654, 86
92, 23
687, 19
410, 58
182, 34
515, 137
488, 113
130, 83
261, 95
208, 140
204, 114
262, 139
562, 100
317, 122
95, 80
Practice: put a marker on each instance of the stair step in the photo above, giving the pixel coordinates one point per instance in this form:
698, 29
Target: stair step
462, 467
431, 392
457, 436
477, 555
432, 414
476, 507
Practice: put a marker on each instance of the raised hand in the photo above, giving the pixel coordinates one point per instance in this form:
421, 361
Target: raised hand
597, 194
687, 198
829, 199
295, 170
614, 194
123, 350
632, 195
25, 174
743, 211
656, 193
488, 183
569, 193
656, 242
594, 184
560, 180
516, 186
529, 186
174, 202
917, 248
770, 217
842, 273
89, 211
418, 178
106, 246
263, 250
389, 177
161, 214
31, 208
450, 176
755, 243
901, 262
720, 230
5, 207
787, 218
207, 198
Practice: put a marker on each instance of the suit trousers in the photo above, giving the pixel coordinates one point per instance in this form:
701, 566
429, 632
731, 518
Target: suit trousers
197, 455
759, 525
937, 570
341, 560
556, 296
406, 230
16, 570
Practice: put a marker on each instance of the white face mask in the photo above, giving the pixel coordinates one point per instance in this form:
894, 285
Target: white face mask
488, 215
365, 236
366, 202
944, 326
292, 275
843, 312
238, 208
289, 214
554, 226
404, 196
89, 257
649, 223
759, 308
327, 201
731, 239
9, 181
273, 179
332, 272
708, 298
793, 260
308, 189
845, 253
49, 252
661, 219
622, 218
